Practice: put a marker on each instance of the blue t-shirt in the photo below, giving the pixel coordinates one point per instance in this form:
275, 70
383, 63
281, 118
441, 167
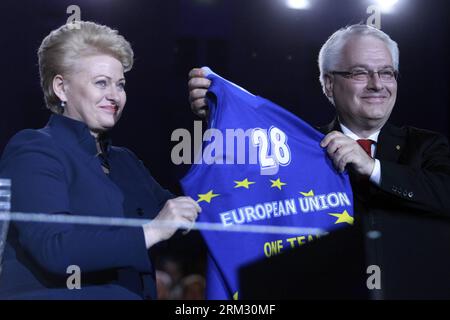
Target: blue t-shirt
261, 166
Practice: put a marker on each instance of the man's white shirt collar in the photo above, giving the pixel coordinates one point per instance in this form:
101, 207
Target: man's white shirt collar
349, 133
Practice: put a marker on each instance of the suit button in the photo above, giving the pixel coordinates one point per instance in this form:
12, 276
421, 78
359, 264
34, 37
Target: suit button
140, 211
405, 193
411, 194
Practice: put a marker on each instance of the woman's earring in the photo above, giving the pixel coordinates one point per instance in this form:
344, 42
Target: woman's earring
63, 104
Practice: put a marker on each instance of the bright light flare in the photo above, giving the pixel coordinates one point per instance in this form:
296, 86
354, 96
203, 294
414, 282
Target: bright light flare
298, 4
386, 5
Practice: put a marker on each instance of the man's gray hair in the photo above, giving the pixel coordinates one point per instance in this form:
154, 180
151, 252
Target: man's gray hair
330, 53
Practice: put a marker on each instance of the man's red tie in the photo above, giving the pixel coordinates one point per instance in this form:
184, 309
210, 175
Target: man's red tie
366, 144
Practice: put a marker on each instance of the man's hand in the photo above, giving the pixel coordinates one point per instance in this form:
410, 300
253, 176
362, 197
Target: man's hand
198, 86
181, 210
344, 150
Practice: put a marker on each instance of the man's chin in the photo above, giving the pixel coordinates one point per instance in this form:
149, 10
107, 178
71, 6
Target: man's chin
376, 111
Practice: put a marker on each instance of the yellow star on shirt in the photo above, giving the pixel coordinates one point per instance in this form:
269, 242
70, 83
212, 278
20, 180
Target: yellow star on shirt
277, 183
307, 194
244, 183
207, 196
343, 217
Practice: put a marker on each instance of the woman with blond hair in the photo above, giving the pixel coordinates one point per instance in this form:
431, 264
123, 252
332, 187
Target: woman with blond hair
71, 167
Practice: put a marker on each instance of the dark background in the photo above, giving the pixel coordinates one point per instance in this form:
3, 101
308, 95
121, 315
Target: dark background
262, 45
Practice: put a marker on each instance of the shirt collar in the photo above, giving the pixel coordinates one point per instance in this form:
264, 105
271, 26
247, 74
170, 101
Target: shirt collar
349, 133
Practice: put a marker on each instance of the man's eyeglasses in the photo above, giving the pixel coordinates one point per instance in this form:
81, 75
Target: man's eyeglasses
363, 75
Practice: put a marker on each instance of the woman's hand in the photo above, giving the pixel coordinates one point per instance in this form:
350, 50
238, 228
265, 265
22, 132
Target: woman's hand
198, 86
177, 210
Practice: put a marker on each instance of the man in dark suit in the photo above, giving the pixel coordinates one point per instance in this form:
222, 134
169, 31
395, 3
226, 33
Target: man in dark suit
359, 66
395, 172
410, 166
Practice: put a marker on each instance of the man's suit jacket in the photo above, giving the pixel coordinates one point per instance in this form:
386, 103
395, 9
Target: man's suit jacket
407, 217
415, 170
57, 170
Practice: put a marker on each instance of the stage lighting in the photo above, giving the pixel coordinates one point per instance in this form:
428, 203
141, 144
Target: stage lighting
297, 4
386, 5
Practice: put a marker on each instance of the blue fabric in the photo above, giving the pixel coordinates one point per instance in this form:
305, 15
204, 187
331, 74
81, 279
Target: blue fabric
56, 170
326, 202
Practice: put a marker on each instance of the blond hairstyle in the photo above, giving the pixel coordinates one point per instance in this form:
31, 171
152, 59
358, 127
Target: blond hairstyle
63, 46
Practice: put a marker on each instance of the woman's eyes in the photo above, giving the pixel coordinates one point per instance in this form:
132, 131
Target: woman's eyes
103, 84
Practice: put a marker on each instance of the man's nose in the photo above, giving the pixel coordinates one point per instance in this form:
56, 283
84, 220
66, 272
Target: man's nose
375, 82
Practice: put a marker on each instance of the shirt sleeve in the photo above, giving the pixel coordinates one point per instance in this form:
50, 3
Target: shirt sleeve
375, 177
